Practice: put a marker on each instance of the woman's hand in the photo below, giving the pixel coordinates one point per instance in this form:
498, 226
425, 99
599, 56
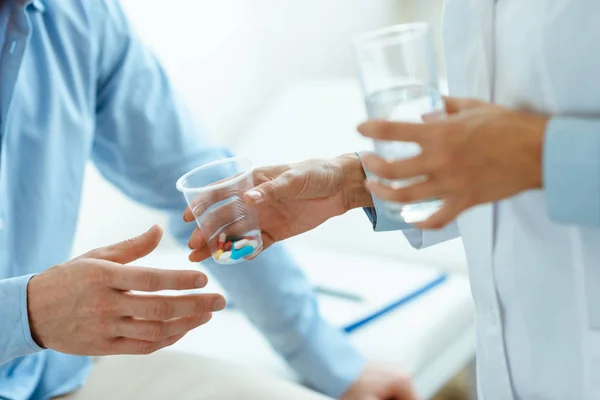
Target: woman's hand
293, 199
481, 153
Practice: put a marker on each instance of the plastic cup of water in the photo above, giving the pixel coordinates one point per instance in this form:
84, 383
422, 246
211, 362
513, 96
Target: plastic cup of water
215, 195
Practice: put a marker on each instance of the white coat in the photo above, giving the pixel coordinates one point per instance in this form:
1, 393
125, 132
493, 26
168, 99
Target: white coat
536, 283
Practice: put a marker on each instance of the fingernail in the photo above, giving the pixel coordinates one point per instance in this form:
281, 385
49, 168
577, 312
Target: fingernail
255, 195
201, 281
219, 304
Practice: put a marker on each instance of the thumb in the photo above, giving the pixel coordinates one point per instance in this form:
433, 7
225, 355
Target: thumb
131, 249
457, 104
277, 189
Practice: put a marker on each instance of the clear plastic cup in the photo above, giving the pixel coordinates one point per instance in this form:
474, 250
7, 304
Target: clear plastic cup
215, 194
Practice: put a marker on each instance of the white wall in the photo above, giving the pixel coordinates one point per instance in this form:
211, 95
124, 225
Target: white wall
228, 58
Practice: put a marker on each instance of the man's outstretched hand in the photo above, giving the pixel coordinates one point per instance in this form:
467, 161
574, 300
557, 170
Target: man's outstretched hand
87, 306
293, 199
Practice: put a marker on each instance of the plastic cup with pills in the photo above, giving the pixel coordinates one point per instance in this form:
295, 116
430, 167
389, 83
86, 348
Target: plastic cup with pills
215, 194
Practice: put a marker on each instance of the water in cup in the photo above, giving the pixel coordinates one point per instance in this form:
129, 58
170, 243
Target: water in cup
406, 103
399, 78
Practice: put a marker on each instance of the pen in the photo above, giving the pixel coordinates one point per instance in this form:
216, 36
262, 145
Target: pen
339, 294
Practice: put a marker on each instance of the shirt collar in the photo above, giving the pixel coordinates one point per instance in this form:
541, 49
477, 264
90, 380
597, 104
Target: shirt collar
36, 5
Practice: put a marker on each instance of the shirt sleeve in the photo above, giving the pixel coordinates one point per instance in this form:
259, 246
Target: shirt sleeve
417, 238
15, 335
277, 298
145, 140
571, 168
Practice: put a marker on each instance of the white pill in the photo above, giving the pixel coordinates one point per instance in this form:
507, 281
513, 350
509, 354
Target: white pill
241, 244
225, 256
253, 243
222, 238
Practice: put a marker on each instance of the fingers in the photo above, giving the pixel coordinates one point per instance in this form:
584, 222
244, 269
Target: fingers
402, 389
131, 249
133, 346
277, 189
410, 194
197, 240
402, 169
161, 308
443, 217
187, 215
199, 255
396, 131
152, 279
155, 331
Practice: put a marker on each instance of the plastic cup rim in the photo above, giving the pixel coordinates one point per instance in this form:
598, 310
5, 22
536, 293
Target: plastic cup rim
216, 186
366, 38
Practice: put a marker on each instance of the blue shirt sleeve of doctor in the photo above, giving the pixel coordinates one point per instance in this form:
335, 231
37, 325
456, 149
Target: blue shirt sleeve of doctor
571, 168
417, 238
145, 140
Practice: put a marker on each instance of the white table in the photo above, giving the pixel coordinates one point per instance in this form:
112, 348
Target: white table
432, 337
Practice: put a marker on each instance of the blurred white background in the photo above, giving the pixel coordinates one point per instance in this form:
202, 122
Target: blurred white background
228, 58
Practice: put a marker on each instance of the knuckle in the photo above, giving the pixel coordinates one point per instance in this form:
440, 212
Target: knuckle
460, 184
155, 332
467, 200
146, 348
96, 275
161, 309
404, 196
104, 347
104, 327
150, 281
201, 306
386, 130
102, 305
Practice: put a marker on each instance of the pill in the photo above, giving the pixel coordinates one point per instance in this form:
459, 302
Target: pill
225, 256
218, 254
222, 238
253, 243
233, 238
240, 244
228, 246
243, 252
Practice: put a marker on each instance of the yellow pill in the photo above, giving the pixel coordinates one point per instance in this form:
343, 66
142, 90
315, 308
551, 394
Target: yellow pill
218, 254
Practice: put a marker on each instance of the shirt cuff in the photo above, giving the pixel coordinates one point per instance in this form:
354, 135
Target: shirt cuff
381, 222
571, 168
15, 337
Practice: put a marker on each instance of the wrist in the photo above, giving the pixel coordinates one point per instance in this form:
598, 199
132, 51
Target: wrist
535, 146
354, 193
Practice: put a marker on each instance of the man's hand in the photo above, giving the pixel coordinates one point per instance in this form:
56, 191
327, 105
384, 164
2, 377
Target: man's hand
481, 153
381, 383
293, 199
85, 306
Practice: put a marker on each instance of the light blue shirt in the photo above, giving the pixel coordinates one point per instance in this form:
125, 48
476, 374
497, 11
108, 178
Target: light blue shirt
76, 84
